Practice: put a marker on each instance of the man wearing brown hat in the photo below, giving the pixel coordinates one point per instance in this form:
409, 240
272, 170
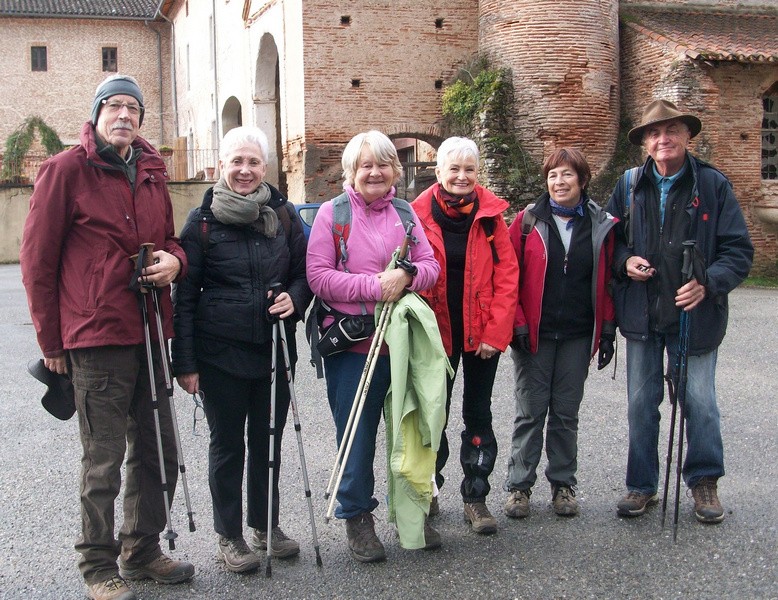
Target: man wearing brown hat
92, 208
674, 197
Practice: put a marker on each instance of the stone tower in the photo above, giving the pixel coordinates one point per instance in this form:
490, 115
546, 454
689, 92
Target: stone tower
565, 62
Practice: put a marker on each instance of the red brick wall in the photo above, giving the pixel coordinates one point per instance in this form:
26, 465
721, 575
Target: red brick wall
63, 94
397, 54
738, 151
565, 71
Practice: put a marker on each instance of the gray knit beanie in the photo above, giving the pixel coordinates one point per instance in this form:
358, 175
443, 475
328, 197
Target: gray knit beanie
113, 85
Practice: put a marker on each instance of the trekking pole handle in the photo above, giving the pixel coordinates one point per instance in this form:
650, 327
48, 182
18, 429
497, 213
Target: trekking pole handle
687, 271
407, 240
144, 258
275, 289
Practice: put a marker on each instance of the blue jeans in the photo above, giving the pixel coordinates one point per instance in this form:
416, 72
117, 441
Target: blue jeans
343, 372
645, 391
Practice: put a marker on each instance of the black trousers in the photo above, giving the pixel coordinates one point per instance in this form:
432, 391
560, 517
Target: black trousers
478, 452
238, 413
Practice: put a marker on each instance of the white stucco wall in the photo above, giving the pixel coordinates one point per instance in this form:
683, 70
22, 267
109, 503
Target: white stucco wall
245, 72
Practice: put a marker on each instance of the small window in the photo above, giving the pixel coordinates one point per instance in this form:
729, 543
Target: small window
345, 20
355, 83
770, 134
38, 58
438, 23
109, 59
438, 84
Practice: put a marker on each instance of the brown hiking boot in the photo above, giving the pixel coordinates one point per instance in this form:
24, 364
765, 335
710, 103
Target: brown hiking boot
236, 555
162, 569
563, 498
113, 589
281, 546
479, 517
517, 504
362, 540
707, 507
634, 504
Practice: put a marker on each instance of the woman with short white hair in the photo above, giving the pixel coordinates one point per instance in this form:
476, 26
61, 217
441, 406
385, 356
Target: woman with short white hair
244, 237
474, 300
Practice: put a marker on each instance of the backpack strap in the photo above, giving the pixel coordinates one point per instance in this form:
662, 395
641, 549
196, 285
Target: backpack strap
341, 226
205, 230
405, 212
488, 224
528, 220
628, 183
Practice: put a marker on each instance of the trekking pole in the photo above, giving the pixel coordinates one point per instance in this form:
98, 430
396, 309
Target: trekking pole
272, 431
681, 373
141, 260
670, 442
298, 430
169, 386
349, 433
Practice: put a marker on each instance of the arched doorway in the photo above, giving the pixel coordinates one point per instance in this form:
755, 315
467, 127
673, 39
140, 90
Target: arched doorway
232, 114
267, 108
417, 157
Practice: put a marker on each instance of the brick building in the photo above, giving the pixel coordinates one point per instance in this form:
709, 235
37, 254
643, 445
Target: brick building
55, 54
312, 73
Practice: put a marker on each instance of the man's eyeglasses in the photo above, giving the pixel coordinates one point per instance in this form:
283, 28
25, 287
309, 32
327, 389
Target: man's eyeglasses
115, 107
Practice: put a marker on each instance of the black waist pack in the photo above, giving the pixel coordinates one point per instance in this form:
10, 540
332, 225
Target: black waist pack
344, 332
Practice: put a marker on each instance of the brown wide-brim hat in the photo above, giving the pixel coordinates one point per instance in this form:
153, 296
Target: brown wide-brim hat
660, 111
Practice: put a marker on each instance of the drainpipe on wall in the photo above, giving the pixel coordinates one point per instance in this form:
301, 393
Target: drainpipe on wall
159, 81
173, 74
215, 70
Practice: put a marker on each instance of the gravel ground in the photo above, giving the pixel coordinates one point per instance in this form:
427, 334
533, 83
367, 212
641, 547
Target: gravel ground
595, 555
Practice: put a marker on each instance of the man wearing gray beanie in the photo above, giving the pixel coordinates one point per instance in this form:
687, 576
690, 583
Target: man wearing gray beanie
91, 208
113, 86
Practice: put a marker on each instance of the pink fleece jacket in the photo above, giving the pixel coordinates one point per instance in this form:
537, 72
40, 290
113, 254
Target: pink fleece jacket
376, 232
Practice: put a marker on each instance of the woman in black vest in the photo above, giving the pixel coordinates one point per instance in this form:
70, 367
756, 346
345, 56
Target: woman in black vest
564, 317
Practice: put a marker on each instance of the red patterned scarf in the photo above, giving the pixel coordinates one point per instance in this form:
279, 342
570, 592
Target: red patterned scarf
455, 206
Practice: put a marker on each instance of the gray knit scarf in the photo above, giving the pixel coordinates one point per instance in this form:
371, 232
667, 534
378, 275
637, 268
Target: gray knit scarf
231, 208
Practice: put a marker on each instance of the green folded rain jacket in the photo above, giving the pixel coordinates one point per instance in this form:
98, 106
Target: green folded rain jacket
415, 414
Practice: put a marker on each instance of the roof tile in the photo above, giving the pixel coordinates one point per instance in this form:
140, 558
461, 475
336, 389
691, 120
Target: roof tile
711, 34
128, 9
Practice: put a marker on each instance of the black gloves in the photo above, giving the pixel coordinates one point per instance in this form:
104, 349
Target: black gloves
407, 266
606, 350
520, 342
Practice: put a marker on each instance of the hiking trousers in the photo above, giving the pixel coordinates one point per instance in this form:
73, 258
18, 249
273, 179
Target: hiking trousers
115, 414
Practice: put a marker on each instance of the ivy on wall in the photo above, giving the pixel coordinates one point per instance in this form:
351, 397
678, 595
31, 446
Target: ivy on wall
478, 104
625, 156
18, 145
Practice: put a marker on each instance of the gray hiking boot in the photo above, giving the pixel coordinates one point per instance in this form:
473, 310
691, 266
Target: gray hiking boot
563, 499
281, 546
479, 517
114, 588
236, 555
707, 507
362, 540
634, 504
431, 537
517, 504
